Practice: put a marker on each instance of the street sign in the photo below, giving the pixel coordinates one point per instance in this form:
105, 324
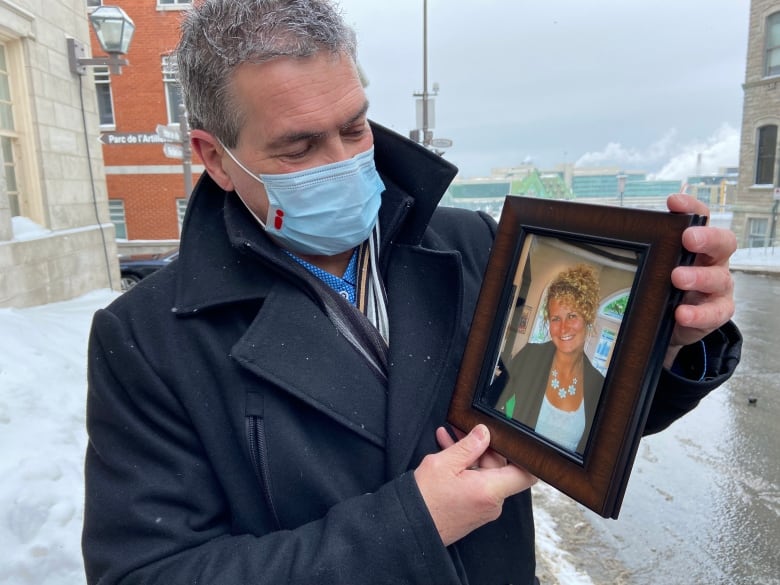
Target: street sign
441, 142
169, 133
173, 150
130, 138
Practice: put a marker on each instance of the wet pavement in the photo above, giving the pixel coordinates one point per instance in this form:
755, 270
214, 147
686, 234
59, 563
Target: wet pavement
703, 502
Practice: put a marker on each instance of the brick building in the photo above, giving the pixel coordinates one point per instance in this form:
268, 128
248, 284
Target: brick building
146, 188
756, 208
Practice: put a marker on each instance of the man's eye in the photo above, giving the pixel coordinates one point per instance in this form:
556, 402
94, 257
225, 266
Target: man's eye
354, 131
296, 154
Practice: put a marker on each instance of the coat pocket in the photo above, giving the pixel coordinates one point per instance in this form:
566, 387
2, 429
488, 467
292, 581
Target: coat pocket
258, 452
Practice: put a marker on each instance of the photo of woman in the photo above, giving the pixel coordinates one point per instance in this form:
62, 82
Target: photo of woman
553, 387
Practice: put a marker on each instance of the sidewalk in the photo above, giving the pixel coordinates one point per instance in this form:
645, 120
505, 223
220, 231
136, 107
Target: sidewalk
756, 261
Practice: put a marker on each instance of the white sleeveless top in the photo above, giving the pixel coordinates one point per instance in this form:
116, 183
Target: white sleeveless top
561, 426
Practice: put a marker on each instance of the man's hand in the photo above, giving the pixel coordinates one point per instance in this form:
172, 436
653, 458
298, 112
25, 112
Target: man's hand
465, 485
708, 301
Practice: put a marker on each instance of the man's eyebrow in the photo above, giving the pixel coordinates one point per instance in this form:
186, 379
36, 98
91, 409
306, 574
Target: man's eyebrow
293, 137
356, 117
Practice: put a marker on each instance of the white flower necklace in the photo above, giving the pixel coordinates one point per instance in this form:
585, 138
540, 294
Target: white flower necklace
570, 390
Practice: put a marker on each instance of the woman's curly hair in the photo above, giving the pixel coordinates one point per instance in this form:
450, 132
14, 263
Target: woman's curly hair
577, 287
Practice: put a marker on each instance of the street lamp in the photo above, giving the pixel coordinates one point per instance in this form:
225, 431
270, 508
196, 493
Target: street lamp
621, 183
114, 31
423, 134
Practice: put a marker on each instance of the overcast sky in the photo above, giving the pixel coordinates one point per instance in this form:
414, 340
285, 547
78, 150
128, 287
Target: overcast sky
642, 84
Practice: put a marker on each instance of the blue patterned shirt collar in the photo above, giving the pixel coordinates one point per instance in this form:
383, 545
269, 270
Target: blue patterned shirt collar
345, 286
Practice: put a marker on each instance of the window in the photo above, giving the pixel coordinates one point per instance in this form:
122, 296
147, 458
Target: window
615, 307
94, 3
10, 175
116, 211
104, 99
181, 208
704, 193
610, 315
765, 156
8, 135
772, 66
603, 353
173, 2
757, 232
173, 97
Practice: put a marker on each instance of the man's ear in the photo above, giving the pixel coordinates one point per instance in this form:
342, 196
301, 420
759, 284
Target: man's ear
210, 151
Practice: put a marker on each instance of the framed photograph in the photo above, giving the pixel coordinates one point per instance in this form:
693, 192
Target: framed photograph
525, 313
568, 340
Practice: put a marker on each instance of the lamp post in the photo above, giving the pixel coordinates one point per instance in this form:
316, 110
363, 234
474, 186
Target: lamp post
773, 216
186, 150
425, 105
114, 31
621, 184
427, 137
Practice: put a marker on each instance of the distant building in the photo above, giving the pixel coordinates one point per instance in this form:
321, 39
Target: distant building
487, 194
755, 211
717, 191
601, 183
56, 240
604, 186
591, 185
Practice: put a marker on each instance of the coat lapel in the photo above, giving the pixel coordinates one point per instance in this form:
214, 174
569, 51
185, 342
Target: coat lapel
285, 345
424, 290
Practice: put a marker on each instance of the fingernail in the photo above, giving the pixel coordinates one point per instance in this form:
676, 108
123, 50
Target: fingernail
697, 237
686, 280
480, 432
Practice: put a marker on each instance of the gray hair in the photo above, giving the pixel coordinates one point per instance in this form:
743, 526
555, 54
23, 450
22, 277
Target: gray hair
219, 35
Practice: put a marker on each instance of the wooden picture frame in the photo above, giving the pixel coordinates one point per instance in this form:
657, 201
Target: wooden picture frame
632, 253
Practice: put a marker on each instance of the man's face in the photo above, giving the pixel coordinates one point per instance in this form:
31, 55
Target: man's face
300, 113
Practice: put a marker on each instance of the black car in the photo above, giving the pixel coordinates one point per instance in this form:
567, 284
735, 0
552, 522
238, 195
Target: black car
134, 268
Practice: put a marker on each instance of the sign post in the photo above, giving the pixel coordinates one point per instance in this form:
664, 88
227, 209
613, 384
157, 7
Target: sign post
168, 133
176, 144
186, 150
173, 150
175, 140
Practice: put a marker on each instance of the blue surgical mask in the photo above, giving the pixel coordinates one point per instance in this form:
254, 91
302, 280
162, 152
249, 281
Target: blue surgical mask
324, 210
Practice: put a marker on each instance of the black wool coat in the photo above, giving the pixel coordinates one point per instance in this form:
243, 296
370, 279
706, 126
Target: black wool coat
236, 437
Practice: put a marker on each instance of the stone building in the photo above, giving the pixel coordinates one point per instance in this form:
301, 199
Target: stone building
756, 207
56, 237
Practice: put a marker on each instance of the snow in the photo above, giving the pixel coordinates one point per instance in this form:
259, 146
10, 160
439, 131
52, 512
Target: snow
42, 399
757, 260
26, 229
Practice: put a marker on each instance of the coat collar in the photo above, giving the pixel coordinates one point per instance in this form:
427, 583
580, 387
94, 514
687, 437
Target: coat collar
226, 257
216, 225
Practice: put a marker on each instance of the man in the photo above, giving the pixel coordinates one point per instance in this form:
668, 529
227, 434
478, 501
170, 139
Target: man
269, 408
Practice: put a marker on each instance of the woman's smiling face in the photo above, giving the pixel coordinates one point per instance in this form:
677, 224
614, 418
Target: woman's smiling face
567, 327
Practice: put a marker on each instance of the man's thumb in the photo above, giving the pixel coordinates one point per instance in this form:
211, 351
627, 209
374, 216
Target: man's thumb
470, 448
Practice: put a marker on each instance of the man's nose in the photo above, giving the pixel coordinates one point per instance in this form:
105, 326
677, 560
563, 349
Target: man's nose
335, 151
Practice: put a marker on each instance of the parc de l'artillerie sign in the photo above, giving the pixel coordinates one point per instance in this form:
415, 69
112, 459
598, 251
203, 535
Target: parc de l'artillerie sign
113, 138
169, 136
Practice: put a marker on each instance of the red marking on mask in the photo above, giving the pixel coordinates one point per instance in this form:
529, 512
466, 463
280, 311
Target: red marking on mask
279, 219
